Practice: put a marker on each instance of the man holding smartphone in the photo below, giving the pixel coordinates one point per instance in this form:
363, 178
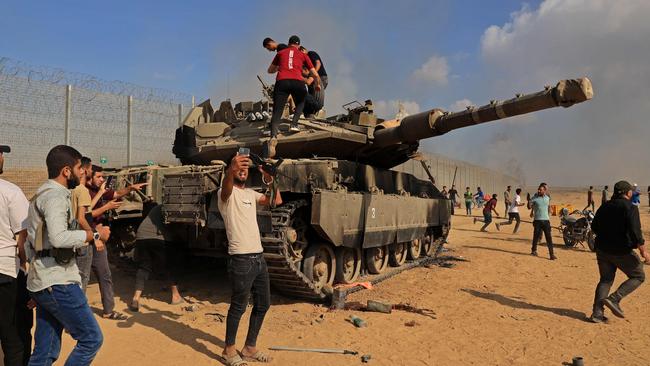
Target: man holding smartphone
246, 266
108, 200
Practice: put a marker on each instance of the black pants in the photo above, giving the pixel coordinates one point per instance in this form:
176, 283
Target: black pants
248, 275
16, 320
630, 264
281, 92
153, 255
512, 216
540, 226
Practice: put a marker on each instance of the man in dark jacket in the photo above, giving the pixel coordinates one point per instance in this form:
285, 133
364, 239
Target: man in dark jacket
618, 232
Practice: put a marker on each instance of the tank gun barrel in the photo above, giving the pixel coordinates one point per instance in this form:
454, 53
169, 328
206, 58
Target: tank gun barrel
436, 122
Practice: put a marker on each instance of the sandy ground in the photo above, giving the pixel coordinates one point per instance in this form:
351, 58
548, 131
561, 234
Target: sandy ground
503, 307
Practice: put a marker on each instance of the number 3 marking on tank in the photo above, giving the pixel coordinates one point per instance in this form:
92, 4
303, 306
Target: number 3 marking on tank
373, 212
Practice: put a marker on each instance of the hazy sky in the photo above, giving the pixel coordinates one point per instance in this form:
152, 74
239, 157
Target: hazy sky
427, 54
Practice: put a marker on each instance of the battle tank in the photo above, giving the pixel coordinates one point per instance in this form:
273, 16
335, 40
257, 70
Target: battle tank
346, 210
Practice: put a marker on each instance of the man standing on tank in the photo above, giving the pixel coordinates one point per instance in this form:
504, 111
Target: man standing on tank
320, 68
288, 64
246, 265
273, 46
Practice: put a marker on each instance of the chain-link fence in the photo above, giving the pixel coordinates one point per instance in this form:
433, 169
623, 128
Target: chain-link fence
113, 122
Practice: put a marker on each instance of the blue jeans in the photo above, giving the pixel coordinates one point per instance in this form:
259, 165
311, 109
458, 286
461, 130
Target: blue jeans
59, 307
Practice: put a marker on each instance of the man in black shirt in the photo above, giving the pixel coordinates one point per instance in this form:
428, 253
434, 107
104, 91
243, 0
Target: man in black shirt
320, 68
618, 232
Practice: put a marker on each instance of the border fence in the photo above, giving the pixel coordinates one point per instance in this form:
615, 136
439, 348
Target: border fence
114, 122
117, 124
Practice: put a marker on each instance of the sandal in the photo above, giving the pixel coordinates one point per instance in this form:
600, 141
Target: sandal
235, 360
259, 356
115, 316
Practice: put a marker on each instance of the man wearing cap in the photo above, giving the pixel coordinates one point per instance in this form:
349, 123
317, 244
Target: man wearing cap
288, 64
618, 233
15, 317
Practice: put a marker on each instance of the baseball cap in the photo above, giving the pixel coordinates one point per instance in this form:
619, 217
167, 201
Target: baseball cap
294, 40
5, 149
622, 187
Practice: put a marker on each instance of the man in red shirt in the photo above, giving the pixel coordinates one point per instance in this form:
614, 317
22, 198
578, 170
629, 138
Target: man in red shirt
490, 206
289, 63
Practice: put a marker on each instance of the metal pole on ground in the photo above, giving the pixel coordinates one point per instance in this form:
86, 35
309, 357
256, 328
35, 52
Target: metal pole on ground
180, 115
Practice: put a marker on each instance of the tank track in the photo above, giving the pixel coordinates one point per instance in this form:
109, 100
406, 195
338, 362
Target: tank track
285, 276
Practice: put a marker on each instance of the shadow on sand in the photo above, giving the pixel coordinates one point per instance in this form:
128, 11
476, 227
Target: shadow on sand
518, 304
165, 322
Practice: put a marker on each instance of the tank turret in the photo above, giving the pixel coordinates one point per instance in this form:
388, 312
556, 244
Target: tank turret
359, 135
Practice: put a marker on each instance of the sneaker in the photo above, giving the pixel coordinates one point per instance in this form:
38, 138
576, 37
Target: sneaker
498, 226
614, 307
553, 257
294, 128
266, 132
534, 254
597, 318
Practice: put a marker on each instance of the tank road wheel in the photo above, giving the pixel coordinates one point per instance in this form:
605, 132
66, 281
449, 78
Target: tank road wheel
377, 259
348, 264
397, 254
414, 249
428, 247
319, 264
297, 237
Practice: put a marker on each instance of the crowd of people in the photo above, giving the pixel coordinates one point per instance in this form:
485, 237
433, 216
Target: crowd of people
50, 245
616, 225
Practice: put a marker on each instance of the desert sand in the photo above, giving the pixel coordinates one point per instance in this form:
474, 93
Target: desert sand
502, 307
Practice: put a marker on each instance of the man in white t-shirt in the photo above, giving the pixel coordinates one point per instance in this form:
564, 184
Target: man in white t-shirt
246, 266
16, 318
513, 211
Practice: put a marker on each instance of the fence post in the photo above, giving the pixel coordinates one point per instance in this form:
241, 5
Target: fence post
129, 116
180, 115
68, 110
193, 105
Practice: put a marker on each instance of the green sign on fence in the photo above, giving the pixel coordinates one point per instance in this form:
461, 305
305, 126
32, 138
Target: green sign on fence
150, 162
103, 160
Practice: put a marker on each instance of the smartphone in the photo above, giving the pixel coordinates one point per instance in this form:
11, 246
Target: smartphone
244, 151
109, 182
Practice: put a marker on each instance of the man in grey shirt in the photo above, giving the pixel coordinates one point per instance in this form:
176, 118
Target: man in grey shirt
53, 279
